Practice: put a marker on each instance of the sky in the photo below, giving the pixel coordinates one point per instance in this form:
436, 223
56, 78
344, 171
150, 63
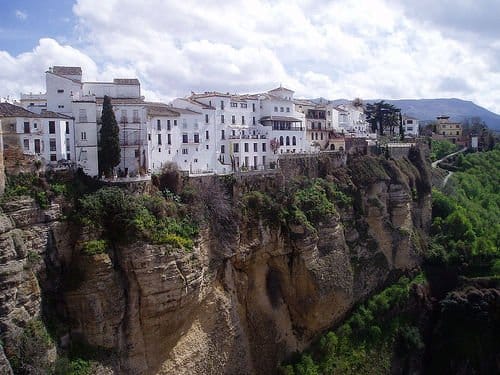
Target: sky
370, 49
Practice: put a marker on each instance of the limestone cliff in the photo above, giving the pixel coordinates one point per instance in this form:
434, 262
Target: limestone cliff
249, 294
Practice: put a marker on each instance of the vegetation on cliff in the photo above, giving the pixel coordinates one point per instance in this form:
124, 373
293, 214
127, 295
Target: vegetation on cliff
466, 217
306, 202
441, 148
364, 343
124, 217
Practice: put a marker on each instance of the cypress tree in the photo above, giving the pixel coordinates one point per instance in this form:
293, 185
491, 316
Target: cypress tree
109, 143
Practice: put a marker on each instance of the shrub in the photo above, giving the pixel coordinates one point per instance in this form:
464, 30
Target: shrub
94, 247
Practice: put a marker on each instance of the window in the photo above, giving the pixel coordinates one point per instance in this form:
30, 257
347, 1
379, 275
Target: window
255, 162
236, 147
222, 136
255, 147
409, 121
83, 136
184, 138
409, 128
233, 119
275, 109
196, 138
67, 127
207, 147
206, 134
195, 160
123, 117
159, 139
242, 120
52, 127
221, 119
175, 122
243, 105
158, 125
282, 109
53, 157
67, 144
253, 120
263, 147
222, 149
234, 105
35, 126
222, 106
246, 147
26, 144
206, 118
281, 141
168, 125
288, 109
169, 139
321, 136
294, 141
26, 127
82, 115
246, 161
253, 107
149, 136
264, 160
60, 91
83, 155
52, 143
60, 106
287, 140
184, 151
135, 115
68, 156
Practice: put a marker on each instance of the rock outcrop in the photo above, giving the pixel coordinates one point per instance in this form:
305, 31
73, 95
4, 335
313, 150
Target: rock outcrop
238, 306
25, 241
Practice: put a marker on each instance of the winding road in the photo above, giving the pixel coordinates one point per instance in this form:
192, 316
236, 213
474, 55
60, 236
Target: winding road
435, 164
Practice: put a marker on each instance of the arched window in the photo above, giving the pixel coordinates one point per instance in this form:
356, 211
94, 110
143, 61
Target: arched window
341, 148
281, 141
332, 147
294, 141
287, 140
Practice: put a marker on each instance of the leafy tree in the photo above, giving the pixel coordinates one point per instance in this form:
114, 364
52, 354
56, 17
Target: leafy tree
109, 143
382, 116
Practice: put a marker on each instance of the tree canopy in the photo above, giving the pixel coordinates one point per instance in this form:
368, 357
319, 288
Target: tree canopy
382, 116
109, 143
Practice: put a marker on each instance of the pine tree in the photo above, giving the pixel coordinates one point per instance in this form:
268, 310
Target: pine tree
109, 143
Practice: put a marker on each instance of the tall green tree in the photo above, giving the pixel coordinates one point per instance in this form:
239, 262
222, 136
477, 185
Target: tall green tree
382, 117
109, 143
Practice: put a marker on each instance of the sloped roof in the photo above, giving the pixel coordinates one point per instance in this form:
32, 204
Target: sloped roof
126, 81
67, 70
11, 110
281, 88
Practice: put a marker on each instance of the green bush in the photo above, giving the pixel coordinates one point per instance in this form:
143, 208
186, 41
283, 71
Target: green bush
94, 247
124, 218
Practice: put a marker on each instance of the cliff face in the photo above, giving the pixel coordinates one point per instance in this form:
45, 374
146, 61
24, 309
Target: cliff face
25, 235
242, 304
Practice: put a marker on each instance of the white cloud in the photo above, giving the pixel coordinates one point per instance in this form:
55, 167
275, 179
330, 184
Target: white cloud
344, 48
24, 73
21, 15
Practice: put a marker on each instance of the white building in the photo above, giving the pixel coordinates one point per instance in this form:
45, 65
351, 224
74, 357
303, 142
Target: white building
411, 126
48, 136
243, 132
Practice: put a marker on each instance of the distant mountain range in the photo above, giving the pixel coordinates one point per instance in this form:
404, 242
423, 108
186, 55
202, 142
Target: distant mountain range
429, 109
